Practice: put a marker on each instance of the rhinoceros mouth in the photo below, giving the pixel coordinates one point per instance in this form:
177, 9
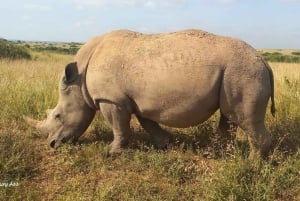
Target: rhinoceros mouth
55, 143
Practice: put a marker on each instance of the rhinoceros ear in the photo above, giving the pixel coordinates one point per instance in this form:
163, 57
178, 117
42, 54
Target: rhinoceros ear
71, 73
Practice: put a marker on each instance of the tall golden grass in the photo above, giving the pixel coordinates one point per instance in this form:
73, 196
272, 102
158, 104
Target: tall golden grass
183, 172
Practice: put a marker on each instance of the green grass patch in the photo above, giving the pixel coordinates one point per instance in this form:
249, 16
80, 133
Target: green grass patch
277, 179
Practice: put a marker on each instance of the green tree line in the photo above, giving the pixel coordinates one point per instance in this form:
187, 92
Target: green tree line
12, 51
279, 57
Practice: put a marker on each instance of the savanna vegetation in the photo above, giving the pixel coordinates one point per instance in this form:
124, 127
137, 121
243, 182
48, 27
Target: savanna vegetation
11, 50
61, 48
196, 166
293, 57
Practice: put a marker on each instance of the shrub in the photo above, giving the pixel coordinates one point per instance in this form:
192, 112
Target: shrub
12, 51
61, 50
296, 53
279, 57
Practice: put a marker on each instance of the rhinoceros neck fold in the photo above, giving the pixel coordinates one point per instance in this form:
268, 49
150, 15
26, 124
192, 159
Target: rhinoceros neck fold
87, 98
85, 93
83, 57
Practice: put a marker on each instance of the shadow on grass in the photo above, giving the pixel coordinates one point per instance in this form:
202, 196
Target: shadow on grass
286, 135
205, 140
202, 139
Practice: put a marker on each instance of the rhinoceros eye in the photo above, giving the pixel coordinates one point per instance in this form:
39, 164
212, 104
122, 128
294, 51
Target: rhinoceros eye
63, 86
57, 116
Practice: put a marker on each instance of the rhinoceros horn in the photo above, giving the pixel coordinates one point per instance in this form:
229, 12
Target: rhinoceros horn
34, 123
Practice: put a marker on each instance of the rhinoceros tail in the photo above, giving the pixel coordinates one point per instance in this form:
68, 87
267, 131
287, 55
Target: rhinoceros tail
273, 108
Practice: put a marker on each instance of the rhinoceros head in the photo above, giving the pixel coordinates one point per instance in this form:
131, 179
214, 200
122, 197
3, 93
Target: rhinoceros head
71, 116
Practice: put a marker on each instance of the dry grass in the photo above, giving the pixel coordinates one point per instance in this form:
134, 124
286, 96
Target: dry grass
183, 172
285, 70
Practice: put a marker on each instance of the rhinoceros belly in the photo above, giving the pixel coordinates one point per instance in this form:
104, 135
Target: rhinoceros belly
180, 114
179, 99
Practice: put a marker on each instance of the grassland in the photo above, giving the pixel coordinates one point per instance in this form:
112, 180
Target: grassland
195, 167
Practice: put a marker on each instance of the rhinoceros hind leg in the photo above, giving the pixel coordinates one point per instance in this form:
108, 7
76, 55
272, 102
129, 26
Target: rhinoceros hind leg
227, 128
259, 139
119, 119
161, 138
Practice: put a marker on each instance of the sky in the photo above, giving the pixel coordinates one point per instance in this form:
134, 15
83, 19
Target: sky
261, 23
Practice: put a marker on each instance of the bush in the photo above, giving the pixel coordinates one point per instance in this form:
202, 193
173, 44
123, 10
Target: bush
279, 57
11, 51
296, 53
61, 50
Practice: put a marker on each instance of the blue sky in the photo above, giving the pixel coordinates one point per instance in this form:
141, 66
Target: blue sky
262, 23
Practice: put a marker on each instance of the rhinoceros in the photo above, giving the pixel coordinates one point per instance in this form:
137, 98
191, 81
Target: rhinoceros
176, 79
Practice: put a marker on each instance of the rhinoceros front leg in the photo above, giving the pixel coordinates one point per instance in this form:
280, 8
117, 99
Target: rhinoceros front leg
161, 137
119, 119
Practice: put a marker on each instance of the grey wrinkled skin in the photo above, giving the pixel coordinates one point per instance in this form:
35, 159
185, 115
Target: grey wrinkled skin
178, 79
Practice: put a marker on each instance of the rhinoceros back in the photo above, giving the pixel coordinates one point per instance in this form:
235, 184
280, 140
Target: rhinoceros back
173, 79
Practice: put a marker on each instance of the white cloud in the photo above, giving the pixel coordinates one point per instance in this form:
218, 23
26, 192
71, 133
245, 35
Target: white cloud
145, 3
226, 1
37, 7
132, 3
150, 4
290, 1
172, 2
26, 17
220, 1
85, 23
104, 2
79, 7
